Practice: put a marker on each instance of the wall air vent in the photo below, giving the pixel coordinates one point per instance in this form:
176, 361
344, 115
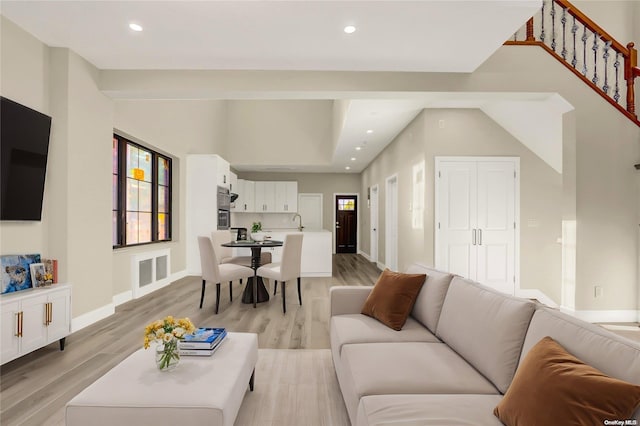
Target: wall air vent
150, 271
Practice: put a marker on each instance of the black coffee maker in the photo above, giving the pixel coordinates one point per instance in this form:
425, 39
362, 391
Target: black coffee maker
241, 234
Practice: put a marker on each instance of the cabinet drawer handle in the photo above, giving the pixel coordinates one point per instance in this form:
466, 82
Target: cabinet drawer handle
48, 313
19, 315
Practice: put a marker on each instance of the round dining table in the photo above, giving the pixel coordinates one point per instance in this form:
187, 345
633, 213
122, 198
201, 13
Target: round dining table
255, 291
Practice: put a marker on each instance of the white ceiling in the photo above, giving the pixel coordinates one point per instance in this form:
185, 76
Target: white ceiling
417, 35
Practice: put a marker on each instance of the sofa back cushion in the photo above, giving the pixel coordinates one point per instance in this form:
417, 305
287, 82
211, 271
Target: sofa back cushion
486, 328
615, 356
431, 297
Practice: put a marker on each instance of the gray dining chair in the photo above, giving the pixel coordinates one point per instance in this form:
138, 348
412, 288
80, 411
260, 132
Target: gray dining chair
214, 272
287, 269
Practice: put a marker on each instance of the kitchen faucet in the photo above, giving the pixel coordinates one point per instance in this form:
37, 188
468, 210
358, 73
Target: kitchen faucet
300, 227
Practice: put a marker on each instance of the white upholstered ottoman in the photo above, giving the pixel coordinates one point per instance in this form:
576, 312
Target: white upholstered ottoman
200, 391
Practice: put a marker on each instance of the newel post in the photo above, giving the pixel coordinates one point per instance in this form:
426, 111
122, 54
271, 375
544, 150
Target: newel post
630, 64
530, 36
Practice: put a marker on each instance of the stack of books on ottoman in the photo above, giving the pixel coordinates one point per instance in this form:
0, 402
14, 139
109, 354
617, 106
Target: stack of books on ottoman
203, 342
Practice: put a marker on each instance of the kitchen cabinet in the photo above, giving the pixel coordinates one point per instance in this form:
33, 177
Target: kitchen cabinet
233, 182
316, 257
34, 318
246, 193
286, 197
204, 173
265, 197
223, 172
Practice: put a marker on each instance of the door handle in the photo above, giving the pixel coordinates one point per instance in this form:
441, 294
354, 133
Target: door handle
473, 237
479, 237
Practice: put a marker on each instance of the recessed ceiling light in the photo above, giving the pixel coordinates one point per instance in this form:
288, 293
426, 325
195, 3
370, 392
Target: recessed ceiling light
135, 27
349, 29
353, 158
348, 168
358, 148
369, 131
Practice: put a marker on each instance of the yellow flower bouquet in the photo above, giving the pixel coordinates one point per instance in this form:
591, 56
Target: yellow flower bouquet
166, 333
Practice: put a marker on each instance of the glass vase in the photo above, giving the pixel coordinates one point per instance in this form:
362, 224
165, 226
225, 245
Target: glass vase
167, 355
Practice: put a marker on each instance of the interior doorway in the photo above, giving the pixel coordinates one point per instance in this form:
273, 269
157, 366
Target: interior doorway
373, 240
391, 223
346, 223
476, 219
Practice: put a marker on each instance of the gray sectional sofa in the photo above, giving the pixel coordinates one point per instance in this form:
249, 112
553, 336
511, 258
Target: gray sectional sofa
457, 353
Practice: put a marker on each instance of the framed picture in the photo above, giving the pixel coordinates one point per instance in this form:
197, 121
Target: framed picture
15, 273
38, 274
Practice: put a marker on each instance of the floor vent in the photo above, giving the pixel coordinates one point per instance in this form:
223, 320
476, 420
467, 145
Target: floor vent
150, 271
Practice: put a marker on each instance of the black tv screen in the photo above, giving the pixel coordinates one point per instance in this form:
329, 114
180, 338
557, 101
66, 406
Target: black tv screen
24, 144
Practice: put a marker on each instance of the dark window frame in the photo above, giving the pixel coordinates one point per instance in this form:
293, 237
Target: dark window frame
122, 192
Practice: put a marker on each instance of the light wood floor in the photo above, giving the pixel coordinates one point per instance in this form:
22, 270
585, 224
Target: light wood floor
35, 387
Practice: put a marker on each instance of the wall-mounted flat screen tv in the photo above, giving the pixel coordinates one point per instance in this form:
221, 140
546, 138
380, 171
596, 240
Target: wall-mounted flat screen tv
24, 144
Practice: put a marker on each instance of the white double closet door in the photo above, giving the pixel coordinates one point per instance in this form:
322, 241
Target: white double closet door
476, 219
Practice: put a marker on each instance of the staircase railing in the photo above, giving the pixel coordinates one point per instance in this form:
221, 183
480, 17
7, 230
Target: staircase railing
602, 62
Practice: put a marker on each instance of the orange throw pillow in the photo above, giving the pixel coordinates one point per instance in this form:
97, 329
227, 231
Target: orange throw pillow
392, 298
553, 387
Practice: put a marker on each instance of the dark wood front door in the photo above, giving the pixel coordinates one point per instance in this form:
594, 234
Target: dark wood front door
346, 223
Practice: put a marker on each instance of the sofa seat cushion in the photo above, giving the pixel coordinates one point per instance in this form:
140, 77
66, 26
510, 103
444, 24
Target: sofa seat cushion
410, 368
358, 328
441, 410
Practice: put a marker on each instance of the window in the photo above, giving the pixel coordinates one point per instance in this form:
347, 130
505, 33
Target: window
346, 204
141, 198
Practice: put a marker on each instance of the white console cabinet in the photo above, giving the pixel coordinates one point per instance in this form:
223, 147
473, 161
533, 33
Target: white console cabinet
31, 319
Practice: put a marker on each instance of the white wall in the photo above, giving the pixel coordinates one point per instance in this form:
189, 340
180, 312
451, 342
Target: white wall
470, 133
85, 182
276, 132
24, 78
75, 227
614, 16
176, 128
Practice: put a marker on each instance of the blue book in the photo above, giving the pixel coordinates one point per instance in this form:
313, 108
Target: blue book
203, 338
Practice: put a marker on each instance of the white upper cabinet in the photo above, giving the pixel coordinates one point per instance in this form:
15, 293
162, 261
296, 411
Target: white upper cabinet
223, 172
233, 182
286, 197
265, 197
246, 193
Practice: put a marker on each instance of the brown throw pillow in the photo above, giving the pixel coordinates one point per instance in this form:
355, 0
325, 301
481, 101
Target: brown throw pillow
551, 386
392, 298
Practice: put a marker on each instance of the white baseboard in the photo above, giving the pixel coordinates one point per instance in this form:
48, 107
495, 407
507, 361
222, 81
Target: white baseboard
365, 255
381, 266
123, 297
143, 291
103, 312
622, 315
315, 274
534, 293
84, 320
